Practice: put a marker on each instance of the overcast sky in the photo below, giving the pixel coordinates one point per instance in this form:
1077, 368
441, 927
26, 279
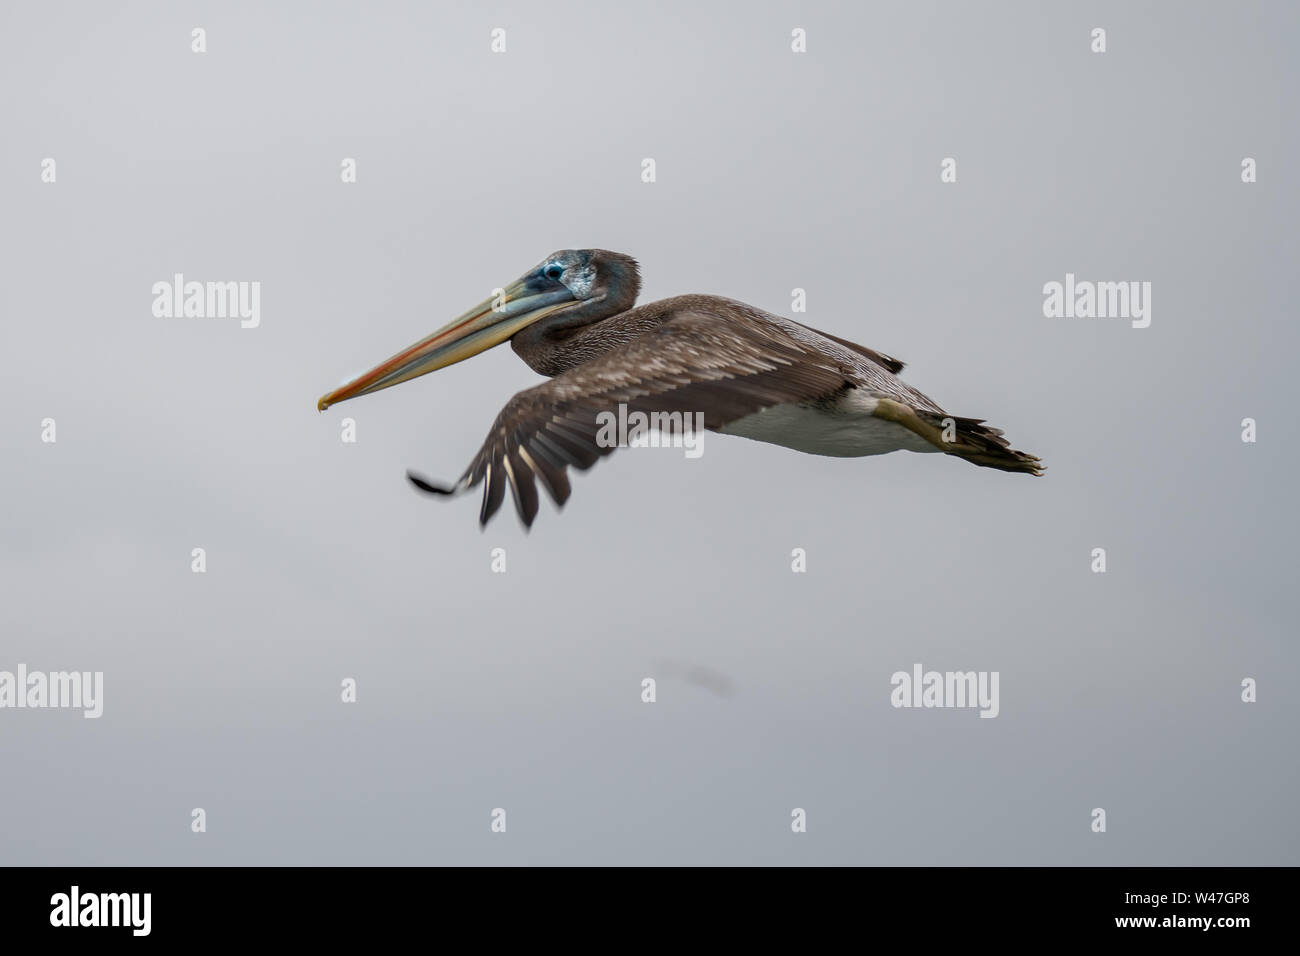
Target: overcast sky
775, 170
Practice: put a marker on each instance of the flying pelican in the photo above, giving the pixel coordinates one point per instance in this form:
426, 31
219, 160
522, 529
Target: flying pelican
749, 372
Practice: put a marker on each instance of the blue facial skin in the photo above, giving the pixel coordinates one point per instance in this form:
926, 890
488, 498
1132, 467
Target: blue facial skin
546, 279
549, 276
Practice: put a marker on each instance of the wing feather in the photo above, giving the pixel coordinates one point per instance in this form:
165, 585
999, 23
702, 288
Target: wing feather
694, 362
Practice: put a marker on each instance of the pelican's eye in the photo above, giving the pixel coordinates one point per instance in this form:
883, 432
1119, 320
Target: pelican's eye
554, 271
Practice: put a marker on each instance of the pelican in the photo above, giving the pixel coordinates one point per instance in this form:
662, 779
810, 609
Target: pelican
749, 372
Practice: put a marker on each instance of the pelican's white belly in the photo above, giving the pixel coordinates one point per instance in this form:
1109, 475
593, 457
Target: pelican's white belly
848, 430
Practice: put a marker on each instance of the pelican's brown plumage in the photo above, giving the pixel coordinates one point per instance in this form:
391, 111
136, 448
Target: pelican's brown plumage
747, 371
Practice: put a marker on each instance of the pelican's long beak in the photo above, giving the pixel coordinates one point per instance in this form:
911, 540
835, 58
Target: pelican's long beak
489, 323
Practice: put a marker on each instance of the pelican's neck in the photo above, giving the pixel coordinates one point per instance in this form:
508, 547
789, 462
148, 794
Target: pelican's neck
551, 352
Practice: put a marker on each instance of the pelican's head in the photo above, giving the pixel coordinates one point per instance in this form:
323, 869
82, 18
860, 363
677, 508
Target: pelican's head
583, 284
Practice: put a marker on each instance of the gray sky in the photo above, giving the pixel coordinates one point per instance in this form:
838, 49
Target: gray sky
775, 170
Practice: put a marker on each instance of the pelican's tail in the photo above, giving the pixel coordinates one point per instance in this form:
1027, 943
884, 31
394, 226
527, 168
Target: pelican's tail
967, 438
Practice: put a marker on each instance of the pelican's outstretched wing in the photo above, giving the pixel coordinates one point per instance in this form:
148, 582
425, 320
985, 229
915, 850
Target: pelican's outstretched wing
693, 362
